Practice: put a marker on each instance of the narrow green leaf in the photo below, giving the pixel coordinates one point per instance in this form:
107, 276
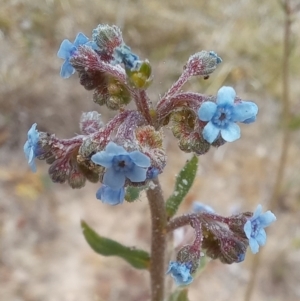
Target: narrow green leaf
184, 181
107, 247
179, 295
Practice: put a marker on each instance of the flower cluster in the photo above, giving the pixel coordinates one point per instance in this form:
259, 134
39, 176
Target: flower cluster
127, 153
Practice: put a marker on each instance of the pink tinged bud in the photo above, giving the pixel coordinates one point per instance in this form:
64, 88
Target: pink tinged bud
203, 63
90, 122
107, 38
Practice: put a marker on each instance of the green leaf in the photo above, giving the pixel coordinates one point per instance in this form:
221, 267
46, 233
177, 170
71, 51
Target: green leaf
107, 247
183, 184
132, 193
179, 295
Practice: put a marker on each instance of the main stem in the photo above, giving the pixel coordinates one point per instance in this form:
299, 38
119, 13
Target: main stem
158, 241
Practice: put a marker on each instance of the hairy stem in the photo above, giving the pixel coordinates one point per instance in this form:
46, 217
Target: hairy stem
275, 196
158, 241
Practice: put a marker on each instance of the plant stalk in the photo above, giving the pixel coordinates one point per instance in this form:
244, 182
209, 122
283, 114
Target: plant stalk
158, 241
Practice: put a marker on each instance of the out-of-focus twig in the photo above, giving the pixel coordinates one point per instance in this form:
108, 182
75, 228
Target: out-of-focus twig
286, 135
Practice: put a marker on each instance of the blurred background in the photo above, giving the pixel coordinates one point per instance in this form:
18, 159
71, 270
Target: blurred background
43, 255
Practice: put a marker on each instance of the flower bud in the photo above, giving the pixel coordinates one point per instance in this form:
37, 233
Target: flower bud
203, 63
140, 77
107, 38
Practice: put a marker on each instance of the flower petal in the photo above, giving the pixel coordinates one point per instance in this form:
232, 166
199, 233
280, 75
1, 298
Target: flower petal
140, 159
114, 179
110, 196
103, 158
257, 212
207, 111
137, 174
32, 165
225, 95
231, 133
66, 70
65, 49
253, 245
261, 237
210, 132
244, 111
267, 218
80, 39
115, 149
248, 229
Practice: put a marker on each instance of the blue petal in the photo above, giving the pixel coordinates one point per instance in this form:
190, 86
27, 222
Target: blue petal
80, 39
261, 237
137, 174
115, 149
257, 212
180, 272
254, 246
32, 165
140, 159
103, 158
210, 132
267, 218
66, 70
114, 179
65, 49
249, 120
244, 111
110, 196
27, 149
226, 96
231, 133
248, 229
200, 207
207, 111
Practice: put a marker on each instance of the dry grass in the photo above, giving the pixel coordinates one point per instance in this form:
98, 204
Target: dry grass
43, 256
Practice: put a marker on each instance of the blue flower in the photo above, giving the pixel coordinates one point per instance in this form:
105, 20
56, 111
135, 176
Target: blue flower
124, 55
110, 196
254, 228
67, 50
223, 115
152, 173
120, 165
219, 60
181, 272
31, 146
200, 207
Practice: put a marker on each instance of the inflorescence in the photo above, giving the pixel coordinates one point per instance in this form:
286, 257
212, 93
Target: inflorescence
128, 151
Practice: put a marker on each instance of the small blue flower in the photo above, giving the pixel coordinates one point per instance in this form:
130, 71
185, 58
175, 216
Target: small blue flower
110, 196
200, 207
120, 165
31, 146
181, 272
124, 55
254, 228
67, 50
152, 173
223, 115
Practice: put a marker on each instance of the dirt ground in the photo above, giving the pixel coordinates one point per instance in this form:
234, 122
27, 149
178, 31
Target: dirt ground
43, 255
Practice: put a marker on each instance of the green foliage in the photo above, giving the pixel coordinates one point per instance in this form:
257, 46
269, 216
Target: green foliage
184, 181
108, 247
179, 295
